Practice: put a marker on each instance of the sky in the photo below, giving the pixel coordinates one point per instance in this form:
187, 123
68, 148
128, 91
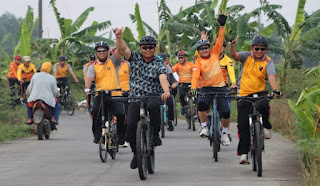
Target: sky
117, 11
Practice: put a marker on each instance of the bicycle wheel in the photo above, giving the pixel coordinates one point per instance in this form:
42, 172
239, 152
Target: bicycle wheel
192, 114
150, 152
258, 147
103, 146
141, 150
188, 117
175, 113
70, 105
162, 128
216, 141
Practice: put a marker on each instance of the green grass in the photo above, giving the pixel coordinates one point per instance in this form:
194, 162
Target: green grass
13, 131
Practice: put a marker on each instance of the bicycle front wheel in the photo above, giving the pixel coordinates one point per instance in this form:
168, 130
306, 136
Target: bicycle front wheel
216, 141
103, 147
141, 148
192, 114
70, 105
162, 128
258, 137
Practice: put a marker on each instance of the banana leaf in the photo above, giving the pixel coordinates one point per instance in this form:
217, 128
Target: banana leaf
140, 29
80, 20
299, 20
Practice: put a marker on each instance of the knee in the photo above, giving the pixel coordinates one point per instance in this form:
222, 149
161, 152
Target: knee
225, 115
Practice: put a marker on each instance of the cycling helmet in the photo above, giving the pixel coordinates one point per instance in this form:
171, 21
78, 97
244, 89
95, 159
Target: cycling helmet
92, 57
148, 40
202, 42
259, 40
62, 58
159, 56
112, 51
17, 57
182, 53
224, 43
102, 44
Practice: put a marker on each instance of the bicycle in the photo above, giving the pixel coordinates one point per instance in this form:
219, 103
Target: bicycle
109, 137
213, 120
190, 108
163, 122
256, 131
66, 99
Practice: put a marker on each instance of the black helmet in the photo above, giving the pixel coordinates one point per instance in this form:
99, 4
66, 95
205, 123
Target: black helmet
92, 57
39, 68
62, 58
259, 40
148, 40
102, 44
202, 42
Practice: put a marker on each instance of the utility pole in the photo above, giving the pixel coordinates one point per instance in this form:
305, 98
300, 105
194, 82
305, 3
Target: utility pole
40, 19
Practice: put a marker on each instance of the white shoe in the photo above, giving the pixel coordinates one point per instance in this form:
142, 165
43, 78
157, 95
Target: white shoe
199, 129
244, 159
225, 139
204, 132
267, 133
125, 145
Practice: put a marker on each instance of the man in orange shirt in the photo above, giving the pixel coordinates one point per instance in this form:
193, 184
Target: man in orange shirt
207, 67
184, 71
13, 78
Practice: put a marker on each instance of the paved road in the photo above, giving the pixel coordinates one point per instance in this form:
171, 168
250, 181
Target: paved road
70, 158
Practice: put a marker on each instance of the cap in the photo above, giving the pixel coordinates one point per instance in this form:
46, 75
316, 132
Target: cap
26, 58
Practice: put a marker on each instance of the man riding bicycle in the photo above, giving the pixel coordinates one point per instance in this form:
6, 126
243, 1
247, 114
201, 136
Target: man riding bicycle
184, 70
60, 71
148, 77
25, 73
256, 67
85, 71
106, 76
207, 67
13, 79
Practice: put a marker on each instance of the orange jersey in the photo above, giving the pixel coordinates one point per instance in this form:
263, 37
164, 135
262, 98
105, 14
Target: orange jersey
124, 72
61, 70
13, 70
209, 69
184, 71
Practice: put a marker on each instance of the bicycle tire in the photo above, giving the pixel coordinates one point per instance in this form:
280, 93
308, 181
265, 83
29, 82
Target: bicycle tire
151, 153
258, 148
162, 128
252, 148
70, 107
141, 150
103, 146
175, 112
192, 114
216, 143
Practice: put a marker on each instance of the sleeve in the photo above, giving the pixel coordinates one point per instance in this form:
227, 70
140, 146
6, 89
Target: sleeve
218, 46
195, 75
69, 67
175, 68
271, 70
134, 55
19, 72
243, 56
231, 72
91, 72
162, 68
85, 68
13, 71
55, 68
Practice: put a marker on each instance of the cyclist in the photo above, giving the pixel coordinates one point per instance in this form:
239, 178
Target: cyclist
124, 72
207, 68
166, 59
106, 77
256, 67
60, 71
13, 78
85, 71
184, 71
173, 84
25, 72
43, 86
148, 77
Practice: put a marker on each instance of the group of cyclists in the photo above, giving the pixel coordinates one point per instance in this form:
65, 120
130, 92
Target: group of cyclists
144, 73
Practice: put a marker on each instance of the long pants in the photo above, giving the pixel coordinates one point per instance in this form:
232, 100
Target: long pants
169, 102
244, 109
13, 97
117, 109
183, 90
54, 111
152, 105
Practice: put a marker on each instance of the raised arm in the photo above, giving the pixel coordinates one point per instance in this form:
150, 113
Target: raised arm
233, 53
120, 44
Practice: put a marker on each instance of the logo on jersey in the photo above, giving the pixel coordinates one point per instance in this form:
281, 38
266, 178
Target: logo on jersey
261, 68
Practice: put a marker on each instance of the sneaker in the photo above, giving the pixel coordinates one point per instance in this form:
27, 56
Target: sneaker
225, 139
170, 126
244, 159
157, 141
121, 141
125, 145
267, 133
183, 111
229, 136
96, 140
204, 132
134, 164
199, 129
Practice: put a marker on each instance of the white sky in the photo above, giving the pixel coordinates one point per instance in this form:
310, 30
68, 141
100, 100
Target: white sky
117, 11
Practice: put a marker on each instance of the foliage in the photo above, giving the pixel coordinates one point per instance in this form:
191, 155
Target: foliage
13, 131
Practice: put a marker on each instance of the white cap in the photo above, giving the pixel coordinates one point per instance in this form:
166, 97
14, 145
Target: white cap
26, 58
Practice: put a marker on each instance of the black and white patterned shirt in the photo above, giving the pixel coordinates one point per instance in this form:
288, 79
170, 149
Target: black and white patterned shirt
144, 76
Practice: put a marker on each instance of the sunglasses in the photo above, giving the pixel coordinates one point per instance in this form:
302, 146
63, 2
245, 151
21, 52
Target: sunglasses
257, 49
148, 47
181, 57
103, 50
203, 48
